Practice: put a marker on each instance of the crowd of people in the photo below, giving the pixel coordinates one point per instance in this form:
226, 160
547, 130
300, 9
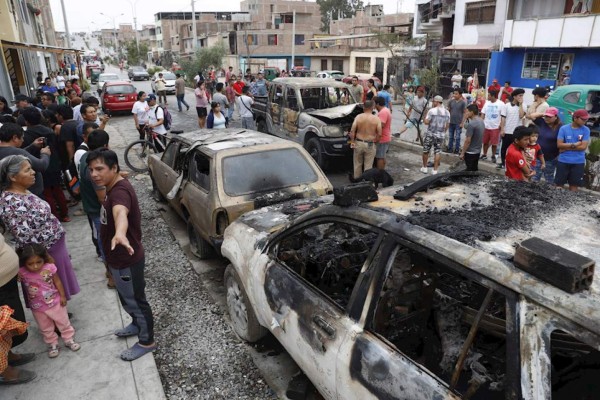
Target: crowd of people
48, 149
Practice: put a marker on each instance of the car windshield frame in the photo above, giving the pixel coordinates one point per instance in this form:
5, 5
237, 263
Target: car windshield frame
114, 92
248, 173
110, 77
304, 95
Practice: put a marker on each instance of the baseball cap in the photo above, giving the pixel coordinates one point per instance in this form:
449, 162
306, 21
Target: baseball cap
495, 80
583, 114
151, 96
551, 112
21, 97
438, 98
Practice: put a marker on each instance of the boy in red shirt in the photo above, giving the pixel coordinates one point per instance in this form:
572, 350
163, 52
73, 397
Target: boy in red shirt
516, 164
534, 151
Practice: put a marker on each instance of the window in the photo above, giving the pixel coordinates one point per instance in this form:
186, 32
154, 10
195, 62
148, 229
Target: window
337, 65
287, 19
299, 39
323, 64
261, 172
272, 40
426, 310
481, 12
170, 154
120, 89
200, 171
278, 98
292, 100
572, 97
252, 40
329, 256
363, 65
541, 66
320, 98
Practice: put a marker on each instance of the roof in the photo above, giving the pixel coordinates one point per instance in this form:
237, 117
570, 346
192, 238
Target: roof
230, 138
310, 82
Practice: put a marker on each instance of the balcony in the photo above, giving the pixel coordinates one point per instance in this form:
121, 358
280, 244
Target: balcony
432, 14
561, 32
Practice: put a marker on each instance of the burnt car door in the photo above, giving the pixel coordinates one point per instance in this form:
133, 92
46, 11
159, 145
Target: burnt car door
276, 108
291, 112
432, 330
169, 168
309, 282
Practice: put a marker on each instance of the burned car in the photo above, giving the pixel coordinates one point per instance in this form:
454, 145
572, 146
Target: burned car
315, 112
212, 177
426, 297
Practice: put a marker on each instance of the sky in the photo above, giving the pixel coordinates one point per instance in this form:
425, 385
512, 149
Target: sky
84, 16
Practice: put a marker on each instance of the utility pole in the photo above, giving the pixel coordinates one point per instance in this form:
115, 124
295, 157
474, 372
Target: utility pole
293, 40
62, 3
194, 32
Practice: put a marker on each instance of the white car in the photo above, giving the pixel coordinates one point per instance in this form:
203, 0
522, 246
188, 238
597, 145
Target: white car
331, 74
103, 78
169, 78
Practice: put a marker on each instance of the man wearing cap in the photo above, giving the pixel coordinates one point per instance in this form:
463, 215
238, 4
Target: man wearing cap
548, 128
513, 113
495, 86
156, 118
537, 109
364, 134
416, 111
572, 141
161, 88
437, 121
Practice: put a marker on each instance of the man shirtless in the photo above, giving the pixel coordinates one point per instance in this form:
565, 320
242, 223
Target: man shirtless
365, 133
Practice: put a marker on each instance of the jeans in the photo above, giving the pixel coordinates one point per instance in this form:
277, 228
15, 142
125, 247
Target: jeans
455, 130
230, 111
248, 123
472, 161
548, 173
180, 101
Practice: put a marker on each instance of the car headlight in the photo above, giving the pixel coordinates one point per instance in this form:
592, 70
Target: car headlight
332, 131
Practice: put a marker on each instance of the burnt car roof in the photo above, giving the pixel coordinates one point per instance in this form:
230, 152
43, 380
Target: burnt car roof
477, 222
310, 82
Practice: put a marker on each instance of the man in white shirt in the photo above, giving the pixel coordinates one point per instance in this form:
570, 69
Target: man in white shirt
513, 116
456, 79
244, 105
156, 117
492, 114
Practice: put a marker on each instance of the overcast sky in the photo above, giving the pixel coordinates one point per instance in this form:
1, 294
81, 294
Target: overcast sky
85, 15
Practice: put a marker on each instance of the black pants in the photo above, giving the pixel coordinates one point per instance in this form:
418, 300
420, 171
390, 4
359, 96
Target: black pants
506, 141
142, 132
472, 161
9, 296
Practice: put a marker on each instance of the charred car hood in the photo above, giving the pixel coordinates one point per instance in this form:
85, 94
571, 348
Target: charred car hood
333, 113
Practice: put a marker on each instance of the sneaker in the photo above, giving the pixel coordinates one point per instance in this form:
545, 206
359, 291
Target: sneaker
188, 108
71, 344
424, 170
483, 157
494, 159
53, 351
500, 166
434, 172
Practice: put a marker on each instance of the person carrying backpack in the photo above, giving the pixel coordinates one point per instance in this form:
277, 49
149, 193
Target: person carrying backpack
156, 119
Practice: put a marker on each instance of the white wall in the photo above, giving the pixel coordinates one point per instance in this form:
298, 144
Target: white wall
482, 33
572, 31
385, 54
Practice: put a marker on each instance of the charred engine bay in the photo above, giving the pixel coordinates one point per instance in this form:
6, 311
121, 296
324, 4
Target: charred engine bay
514, 205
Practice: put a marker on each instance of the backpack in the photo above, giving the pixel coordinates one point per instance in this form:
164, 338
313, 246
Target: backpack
168, 119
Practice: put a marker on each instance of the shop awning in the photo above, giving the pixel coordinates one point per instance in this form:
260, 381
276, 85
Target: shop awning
38, 47
469, 47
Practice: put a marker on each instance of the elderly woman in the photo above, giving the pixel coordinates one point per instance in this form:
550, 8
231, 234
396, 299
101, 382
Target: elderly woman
13, 329
29, 219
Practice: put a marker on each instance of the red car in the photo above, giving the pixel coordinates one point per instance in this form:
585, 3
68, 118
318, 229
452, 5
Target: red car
118, 96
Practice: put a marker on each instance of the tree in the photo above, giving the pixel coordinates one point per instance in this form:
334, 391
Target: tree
204, 58
134, 56
336, 9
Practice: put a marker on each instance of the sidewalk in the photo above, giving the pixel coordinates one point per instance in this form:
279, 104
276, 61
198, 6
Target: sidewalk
95, 371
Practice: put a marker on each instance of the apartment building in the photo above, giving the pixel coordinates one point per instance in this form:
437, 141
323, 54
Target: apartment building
544, 38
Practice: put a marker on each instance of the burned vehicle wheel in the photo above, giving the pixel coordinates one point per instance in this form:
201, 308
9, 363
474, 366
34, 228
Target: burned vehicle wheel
314, 148
198, 246
261, 126
243, 318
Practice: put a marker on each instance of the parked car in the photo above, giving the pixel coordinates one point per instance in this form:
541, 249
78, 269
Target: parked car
218, 176
118, 96
271, 73
138, 73
570, 98
315, 112
331, 74
107, 77
169, 78
419, 299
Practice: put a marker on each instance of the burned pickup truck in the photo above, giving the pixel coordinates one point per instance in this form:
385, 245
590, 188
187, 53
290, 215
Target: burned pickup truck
447, 294
315, 112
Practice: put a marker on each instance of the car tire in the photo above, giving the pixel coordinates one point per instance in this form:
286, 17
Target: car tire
261, 126
314, 148
198, 246
243, 318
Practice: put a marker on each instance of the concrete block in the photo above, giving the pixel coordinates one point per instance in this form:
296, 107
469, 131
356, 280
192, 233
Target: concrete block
555, 265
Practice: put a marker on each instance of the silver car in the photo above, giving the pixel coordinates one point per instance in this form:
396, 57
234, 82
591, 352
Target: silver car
169, 78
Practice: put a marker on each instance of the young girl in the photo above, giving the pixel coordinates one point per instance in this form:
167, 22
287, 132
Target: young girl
46, 296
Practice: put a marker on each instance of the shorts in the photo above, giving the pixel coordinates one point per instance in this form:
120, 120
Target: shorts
382, 149
411, 123
432, 141
201, 112
491, 136
571, 173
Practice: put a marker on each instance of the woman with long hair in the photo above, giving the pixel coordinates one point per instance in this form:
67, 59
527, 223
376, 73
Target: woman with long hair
216, 119
4, 106
140, 113
201, 103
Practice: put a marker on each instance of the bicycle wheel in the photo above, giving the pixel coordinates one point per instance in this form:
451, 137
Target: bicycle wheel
136, 155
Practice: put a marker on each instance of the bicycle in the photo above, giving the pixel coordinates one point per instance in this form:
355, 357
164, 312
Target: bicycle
137, 153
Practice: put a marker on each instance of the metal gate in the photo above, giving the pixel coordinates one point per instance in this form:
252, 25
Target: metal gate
12, 67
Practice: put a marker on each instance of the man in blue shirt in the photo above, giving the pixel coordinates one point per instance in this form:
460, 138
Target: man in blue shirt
385, 94
47, 87
261, 85
572, 142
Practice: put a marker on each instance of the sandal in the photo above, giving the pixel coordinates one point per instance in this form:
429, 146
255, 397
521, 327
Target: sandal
53, 351
129, 330
71, 344
136, 351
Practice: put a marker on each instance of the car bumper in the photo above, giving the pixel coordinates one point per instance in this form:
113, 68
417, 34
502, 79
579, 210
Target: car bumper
217, 242
336, 146
140, 78
120, 106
